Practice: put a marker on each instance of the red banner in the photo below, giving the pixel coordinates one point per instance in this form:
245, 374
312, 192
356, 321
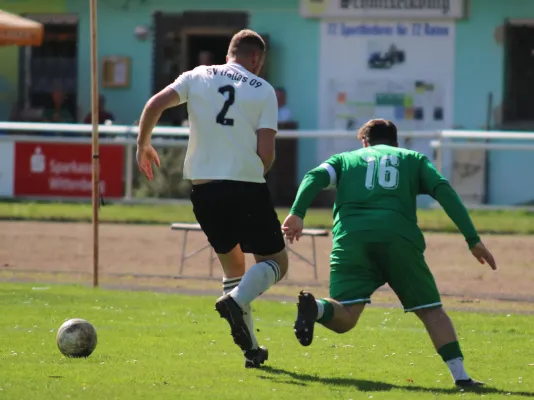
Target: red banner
65, 170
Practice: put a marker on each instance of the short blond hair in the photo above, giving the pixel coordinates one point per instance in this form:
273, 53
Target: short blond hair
246, 42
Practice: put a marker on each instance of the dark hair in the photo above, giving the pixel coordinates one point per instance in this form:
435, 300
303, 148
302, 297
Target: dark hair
378, 131
246, 42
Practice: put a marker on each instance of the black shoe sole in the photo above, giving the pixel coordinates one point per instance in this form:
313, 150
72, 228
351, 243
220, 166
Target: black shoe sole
231, 312
259, 359
307, 314
469, 384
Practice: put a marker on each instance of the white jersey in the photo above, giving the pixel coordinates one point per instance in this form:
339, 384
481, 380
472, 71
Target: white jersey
227, 105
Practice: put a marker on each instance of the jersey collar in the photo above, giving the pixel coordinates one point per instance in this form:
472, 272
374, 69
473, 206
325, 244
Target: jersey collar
233, 63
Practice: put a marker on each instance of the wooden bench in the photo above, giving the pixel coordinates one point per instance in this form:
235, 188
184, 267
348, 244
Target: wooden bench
186, 228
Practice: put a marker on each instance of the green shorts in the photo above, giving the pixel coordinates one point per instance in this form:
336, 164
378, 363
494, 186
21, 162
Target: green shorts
361, 262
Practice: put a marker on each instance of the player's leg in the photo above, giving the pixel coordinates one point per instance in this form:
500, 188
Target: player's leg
327, 312
234, 268
353, 279
252, 285
259, 233
441, 330
213, 206
256, 355
413, 282
262, 236
344, 316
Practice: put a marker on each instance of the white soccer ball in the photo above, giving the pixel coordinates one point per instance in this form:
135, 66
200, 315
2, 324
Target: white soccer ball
76, 338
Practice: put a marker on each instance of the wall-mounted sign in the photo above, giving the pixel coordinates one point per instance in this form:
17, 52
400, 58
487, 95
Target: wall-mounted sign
402, 71
383, 9
65, 170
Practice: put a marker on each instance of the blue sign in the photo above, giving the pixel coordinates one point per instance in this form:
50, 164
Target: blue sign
414, 29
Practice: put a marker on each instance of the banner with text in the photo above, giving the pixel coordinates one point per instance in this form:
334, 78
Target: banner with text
383, 9
65, 170
400, 71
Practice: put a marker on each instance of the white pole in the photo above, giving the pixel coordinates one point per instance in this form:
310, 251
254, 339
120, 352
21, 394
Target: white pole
129, 171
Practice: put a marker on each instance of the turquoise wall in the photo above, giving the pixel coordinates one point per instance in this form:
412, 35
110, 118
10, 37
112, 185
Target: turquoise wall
293, 64
480, 70
480, 58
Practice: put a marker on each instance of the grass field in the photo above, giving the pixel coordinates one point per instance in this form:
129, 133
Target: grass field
161, 346
492, 221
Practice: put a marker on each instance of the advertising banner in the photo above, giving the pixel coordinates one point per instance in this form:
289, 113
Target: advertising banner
383, 9
65, 170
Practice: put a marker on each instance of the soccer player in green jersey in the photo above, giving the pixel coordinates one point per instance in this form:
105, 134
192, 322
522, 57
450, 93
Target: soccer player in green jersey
376, 239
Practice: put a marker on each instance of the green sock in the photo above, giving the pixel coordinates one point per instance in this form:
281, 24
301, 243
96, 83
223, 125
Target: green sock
328, 313
449, 352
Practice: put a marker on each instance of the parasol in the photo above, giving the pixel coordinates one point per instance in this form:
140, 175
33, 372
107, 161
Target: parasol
18, 31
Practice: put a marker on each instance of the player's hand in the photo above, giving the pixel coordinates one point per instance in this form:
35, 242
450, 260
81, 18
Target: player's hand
146, 155
292, 228
483, 255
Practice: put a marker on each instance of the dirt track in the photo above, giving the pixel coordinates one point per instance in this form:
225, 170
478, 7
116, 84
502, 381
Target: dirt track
155, 250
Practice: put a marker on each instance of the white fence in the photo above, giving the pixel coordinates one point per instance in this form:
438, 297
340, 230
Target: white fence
16, 134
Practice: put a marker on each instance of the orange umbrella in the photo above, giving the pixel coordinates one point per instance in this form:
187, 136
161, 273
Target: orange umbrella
18, 31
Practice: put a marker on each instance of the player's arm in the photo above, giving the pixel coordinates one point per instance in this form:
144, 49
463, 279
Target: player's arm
173, 95
435, 185
324, 176
266, 148
266, 132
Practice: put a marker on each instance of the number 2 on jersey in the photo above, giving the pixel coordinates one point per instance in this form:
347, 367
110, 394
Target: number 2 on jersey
388, 175
221, 117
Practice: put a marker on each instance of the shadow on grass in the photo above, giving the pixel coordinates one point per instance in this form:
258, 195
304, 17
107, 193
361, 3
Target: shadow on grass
374, 386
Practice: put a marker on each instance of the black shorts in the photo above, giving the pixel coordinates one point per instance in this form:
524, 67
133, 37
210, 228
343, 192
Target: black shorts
232, 212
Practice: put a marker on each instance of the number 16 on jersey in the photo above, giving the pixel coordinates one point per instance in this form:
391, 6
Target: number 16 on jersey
388, 174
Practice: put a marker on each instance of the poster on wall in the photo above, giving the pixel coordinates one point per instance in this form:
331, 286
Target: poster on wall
65, 170
402, 71
469, 175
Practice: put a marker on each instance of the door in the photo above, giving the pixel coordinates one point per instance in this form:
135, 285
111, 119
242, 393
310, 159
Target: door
170, 57
53, 66
519, 72
167, 53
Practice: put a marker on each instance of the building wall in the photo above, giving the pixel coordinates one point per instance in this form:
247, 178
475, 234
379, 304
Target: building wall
294, 43
479, 71
10, 54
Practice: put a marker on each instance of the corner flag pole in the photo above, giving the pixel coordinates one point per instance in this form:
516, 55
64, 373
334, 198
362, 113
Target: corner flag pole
94, 136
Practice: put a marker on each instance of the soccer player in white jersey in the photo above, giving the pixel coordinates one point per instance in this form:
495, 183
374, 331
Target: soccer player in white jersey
233, 117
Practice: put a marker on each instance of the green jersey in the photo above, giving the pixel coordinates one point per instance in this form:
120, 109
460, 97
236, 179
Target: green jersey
377, 188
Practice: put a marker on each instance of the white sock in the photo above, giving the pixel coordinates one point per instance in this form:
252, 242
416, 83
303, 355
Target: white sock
228, 285
256, 280
320, 309
456, 366
249, 321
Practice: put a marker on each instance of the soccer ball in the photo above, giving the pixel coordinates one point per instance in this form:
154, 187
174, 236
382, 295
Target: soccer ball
76, 338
